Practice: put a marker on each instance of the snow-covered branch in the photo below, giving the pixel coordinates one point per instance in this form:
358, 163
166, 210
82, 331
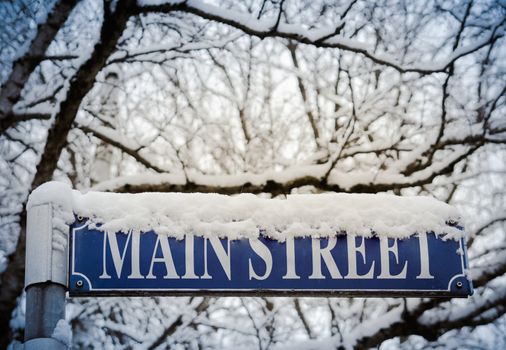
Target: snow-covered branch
320, 37
26, 64
200, 103
112, 138
281, 182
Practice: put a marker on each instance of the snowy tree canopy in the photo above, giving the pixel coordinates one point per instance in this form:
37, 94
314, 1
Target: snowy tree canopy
270, 98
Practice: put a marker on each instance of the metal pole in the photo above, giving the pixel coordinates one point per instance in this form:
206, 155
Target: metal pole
45, 281
45, 306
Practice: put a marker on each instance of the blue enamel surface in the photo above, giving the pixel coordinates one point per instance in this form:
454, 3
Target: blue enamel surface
86, 265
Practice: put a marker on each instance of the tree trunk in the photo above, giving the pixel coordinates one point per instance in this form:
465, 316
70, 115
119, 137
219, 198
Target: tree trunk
12, 280
24, 66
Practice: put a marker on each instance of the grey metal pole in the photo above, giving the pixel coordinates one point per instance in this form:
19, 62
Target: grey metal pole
45, 306
45, 281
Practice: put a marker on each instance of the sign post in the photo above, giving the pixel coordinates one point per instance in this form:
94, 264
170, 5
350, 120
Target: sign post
45, 280
86, 261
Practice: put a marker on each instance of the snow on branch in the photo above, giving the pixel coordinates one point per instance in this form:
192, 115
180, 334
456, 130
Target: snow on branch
26, 64
320, 176
9, 120
112, 138
446, 318
493, 268
160, 53
320, 37
497, 218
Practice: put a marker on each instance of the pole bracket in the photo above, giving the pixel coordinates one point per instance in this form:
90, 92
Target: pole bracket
46, 267
46, 247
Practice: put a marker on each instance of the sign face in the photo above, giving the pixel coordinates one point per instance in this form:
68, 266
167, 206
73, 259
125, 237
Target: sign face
147, 263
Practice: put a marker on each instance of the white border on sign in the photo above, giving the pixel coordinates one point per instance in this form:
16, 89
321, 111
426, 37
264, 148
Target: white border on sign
75, 273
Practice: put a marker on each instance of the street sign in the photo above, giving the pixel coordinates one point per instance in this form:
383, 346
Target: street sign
135, 263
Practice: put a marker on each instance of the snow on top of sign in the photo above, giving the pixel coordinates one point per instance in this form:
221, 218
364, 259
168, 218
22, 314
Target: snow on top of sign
245, 215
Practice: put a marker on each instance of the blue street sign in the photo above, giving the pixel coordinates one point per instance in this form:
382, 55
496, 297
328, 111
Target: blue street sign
148, 263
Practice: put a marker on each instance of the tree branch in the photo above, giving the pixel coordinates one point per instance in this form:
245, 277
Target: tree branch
112, 28
318, 37
134, 153
24, 66
12, 119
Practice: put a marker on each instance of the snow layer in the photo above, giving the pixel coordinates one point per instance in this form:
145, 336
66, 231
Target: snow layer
246, 215
63, 332
59, 195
